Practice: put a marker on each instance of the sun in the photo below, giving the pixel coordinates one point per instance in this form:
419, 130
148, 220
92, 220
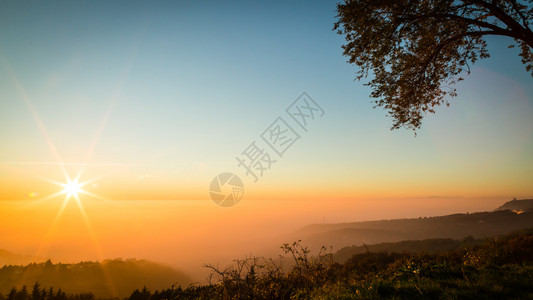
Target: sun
72, 188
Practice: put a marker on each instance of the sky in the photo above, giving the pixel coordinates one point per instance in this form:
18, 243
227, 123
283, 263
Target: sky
147, 104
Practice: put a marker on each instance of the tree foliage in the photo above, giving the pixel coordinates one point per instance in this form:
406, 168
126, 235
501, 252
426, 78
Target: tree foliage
417, 49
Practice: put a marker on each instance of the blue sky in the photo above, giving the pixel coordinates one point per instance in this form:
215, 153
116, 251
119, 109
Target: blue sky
179, 88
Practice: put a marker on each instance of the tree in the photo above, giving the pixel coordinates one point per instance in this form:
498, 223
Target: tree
36, 292
12, 294
417, 49
140, 295
23, 293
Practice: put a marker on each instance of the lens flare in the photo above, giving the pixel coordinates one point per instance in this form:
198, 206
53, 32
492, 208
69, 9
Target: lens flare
72, 188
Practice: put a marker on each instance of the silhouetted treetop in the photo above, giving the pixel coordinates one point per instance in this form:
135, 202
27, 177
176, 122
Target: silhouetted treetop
416, 49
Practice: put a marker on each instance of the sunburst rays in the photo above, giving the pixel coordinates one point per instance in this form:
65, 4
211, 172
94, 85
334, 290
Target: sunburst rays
71, 188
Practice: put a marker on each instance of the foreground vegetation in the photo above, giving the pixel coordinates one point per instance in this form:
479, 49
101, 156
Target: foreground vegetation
498, 268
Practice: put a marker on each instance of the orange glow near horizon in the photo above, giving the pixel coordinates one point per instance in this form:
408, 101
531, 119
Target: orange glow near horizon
21, 187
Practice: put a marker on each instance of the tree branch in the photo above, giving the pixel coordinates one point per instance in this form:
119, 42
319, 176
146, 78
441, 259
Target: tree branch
445, 43
479, 23
525, 21
525, 34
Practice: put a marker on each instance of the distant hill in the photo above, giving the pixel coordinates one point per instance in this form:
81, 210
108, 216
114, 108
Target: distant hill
10, 258
431, 246
456, 226
107, 279
518, 205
